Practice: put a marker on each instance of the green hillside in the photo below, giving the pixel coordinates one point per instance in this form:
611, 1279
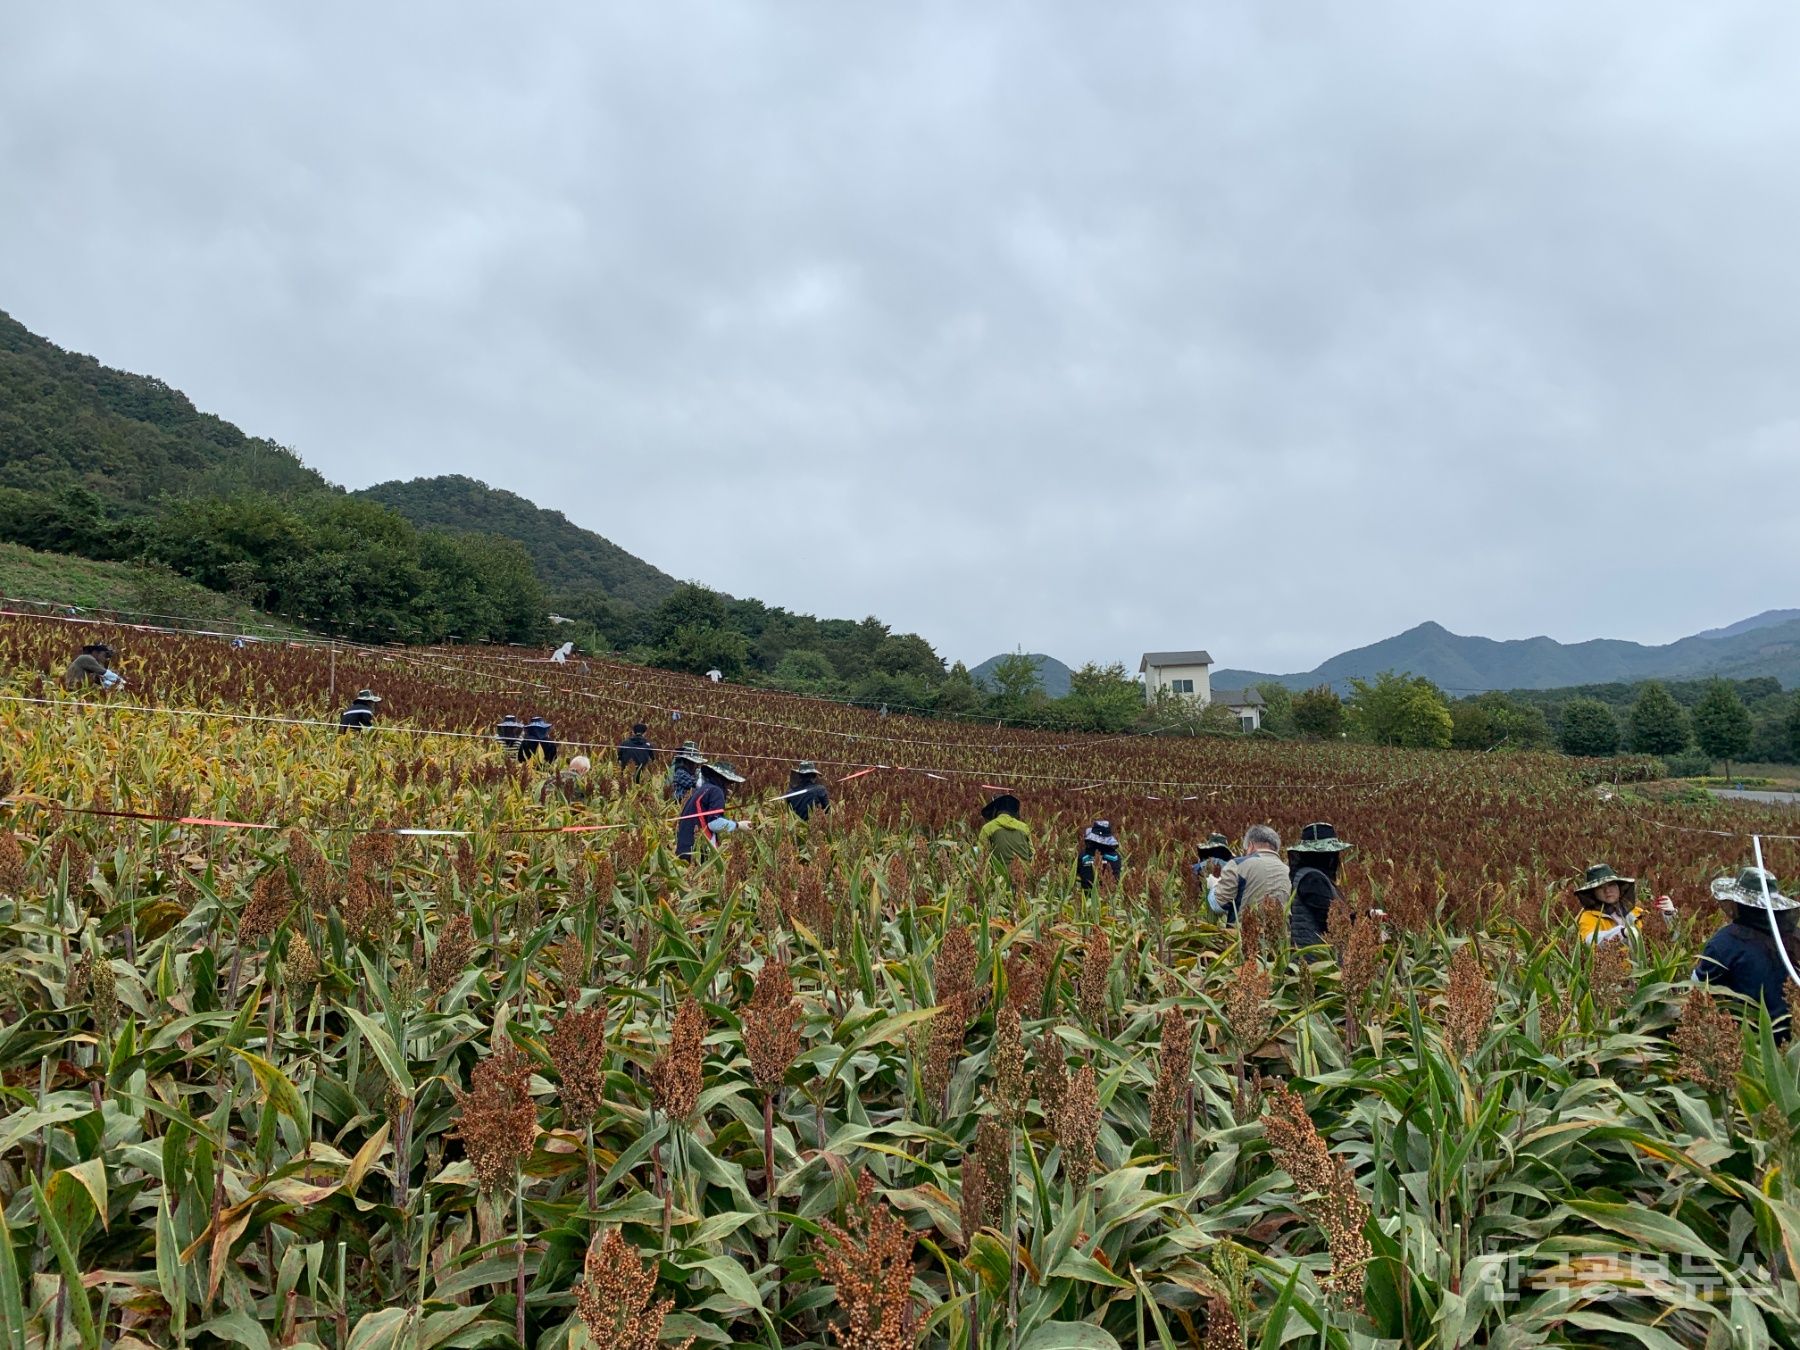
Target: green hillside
66, 421
134, 592
567, 557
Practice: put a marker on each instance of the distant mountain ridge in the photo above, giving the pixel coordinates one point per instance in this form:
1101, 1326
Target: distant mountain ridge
1052, 674
1766, 645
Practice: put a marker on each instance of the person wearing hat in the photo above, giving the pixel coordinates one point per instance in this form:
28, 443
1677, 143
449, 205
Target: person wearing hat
1099, 848
1256, 875
536, 740
1745, 956
509, 731
360, 715
806, 790
1609, 907
1209, 860
1005, 837
636, 752
684, 774
1313, 863
91, 667
704, 809
571, 784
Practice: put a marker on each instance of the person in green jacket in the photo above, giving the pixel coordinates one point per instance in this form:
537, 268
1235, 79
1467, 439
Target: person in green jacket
1005, 836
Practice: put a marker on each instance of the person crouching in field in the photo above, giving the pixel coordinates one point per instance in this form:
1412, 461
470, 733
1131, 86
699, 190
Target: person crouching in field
1250, 879
1609, 908
1744, 956
92, 666
360, 715
1099, 848
571, 784
704, 810
1005, 837
806, 790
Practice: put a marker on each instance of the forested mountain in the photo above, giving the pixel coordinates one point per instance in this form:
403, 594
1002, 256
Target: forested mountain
1747, 650
1053, 675
567, 557
66, 421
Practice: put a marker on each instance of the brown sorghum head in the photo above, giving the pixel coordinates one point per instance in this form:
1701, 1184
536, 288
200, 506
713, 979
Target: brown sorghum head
1710, 1043
1469, 1004
577, 1045
1078, 1125
869, 1262
772, 1026
450, 957
499, 1117
1096, 967
615, 1298
1168, 1099
675, 1076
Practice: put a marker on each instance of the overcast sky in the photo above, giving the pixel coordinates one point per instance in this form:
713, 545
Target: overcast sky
1268, 328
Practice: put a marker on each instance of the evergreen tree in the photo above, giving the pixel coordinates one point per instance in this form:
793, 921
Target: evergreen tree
1657, 725
1588, 728
1722, 723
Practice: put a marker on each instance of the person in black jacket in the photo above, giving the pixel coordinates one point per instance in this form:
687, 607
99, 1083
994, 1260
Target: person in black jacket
636, 752
1313, 862
360, 715
509, 732
1744, 956
537, 741
1099, 848
806, 790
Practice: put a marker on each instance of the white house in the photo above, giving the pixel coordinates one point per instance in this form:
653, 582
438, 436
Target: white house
1245, 704
1189, 674
1185, 673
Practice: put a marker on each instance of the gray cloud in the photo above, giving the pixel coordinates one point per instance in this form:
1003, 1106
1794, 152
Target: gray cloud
1272, 329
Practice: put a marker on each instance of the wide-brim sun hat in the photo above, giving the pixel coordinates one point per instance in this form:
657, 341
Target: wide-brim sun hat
807, 769
1005, 803
724, 770
1216, 846
367, 696
1319, 837
1746, 888
691, 753
1599, 875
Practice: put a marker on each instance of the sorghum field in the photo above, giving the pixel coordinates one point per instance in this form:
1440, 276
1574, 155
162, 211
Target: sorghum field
323, 1083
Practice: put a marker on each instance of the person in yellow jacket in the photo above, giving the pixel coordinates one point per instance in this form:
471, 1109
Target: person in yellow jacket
1005, 837
1609, 907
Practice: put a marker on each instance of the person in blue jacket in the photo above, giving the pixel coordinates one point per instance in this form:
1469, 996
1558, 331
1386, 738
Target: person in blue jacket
1744, 956
684, 771
1099, 848
704, 809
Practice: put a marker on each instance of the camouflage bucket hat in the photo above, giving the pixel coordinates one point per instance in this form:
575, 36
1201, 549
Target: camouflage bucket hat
1746, 888
1599, 874
724, 770
691, 753
1216, 846
1319, 837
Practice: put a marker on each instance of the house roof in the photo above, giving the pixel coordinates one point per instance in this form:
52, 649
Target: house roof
1173, 659
1238, 698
